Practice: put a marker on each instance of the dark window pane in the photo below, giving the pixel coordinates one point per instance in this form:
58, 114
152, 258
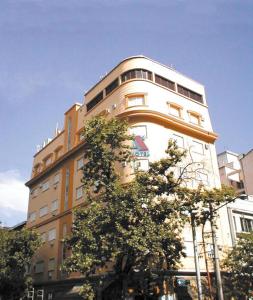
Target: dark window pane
132, 74
95, 101
246, 224
188, 93
165, 82
112, 86
136, 73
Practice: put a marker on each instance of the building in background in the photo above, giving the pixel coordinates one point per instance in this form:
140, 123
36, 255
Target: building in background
230, 170
247, 170
236, 170
159, 104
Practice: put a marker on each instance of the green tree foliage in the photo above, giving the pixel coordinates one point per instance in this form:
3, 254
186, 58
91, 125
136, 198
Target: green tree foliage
239, 264
129, 229
203, 199
105, 146
16, 251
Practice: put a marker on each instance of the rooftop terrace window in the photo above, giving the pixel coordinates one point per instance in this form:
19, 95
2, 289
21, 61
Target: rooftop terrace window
165, 82
95, 101
190, 94
112, 86
136, 73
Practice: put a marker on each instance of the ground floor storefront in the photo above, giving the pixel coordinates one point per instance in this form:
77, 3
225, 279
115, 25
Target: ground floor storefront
162, 286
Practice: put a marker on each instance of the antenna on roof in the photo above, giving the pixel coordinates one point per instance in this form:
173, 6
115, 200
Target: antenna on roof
56, 129
38, 148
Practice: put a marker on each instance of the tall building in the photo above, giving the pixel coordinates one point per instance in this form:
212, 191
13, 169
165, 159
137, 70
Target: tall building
159, 104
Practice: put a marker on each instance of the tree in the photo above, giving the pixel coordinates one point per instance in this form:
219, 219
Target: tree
203, 204
131, 229
239, 265
16, 251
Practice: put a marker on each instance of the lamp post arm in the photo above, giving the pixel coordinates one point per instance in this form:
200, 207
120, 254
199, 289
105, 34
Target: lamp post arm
231, 200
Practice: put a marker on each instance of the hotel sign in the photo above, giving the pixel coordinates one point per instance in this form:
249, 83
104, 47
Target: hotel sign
139, 147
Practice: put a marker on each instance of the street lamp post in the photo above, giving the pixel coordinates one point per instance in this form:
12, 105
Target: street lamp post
219, 288
196, 256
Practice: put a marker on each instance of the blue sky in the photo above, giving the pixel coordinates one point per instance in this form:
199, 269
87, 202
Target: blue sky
52, 51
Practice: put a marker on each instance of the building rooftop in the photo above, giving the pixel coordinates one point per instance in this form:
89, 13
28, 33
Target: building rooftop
133, 57
228, 152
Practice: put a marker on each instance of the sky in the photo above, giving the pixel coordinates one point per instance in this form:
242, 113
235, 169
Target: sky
52, 51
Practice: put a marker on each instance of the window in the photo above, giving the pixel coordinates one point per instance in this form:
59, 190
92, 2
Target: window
51, 264
175, 110
50, 276
37, 168
80, 163
54, 206
197, 147
39, 267
246, 224
66, 198
64, 230
56, 178
32, 216
195, 118
189, 248
69, 133
136, 73
79, 192
240, 185
141, 165
235, 223
202, 177
165, 82
190, 94
135, 100
43, 211
45, 186
94, 101
112, 86
43, 237
179, 140
237, 184
139, 131
58, 152
34, 192
63, 252
48, 161
52, 234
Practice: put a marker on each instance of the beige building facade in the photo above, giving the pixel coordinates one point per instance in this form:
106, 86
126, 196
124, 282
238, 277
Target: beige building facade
159, 104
